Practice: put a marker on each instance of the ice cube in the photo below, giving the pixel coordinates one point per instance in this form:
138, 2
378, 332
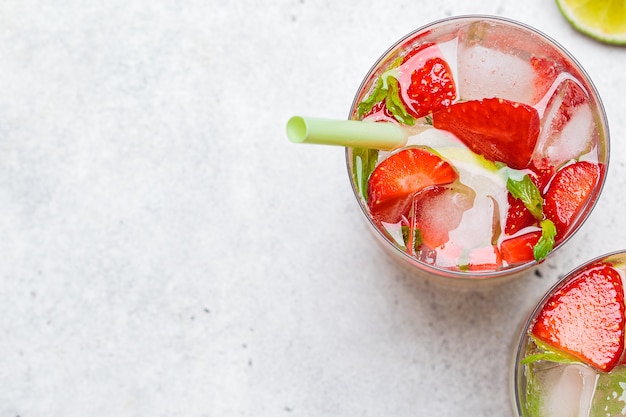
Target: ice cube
568, 389
567, 127
449, 51
486, 73
575, 138
476, 229
440, 210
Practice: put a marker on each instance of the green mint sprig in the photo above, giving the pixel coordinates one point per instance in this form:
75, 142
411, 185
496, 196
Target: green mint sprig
376, 96
363, 164
546, 242
526, 190
416, 238
546, 352
387, 89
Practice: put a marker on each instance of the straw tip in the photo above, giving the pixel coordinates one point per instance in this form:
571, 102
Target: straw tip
296, 129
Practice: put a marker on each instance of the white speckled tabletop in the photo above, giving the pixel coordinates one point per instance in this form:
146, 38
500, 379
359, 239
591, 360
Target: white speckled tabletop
165, 251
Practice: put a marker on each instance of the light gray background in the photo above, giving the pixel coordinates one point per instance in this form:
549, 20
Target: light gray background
165, 251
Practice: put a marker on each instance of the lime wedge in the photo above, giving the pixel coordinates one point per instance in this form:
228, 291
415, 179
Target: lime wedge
603, 20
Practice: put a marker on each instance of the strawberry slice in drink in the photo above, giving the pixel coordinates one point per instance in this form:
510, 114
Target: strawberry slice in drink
498, 129
422, 83
546, 72
519, 249
518, 216
426, 82
585, 318
569, 192
396, 180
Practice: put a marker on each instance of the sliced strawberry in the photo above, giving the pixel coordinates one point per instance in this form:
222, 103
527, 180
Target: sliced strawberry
585, 318
541, 176
519, 249
569, 192
426, 82
398, 178
500, 130
417, 49
572, 96
518, 216
546, 72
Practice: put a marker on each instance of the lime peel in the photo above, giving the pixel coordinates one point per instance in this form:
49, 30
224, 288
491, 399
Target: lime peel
602, 20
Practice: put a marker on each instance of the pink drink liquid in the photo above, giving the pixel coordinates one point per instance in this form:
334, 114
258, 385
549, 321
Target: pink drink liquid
514, 82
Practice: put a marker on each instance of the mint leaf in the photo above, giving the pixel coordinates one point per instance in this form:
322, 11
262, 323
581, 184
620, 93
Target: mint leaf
545, 352
417, 237
394, 103
387, 89
363, 163
546, 241
550, 356
527, 191
532, 401
377, 95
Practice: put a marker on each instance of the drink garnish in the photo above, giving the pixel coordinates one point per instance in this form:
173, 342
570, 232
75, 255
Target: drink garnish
527, 192
398, 178
500, 130
414, 86
585, 318
603, 20
569, 192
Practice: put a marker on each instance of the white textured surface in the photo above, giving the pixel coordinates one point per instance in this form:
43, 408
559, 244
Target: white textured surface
165, 251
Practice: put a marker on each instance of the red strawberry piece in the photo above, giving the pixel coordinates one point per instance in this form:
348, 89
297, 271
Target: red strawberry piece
572, 96
418, 49
541, 176
569, 192
430, 85
500, 130
380, 113
545, 74
518, 216
397, 179
519, 249
585, 318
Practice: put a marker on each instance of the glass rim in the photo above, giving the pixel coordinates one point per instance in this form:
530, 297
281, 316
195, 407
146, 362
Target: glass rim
504, 273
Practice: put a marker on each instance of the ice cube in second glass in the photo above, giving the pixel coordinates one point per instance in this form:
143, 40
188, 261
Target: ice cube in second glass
567, 389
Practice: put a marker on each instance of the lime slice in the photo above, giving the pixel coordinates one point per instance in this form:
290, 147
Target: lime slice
603, 20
